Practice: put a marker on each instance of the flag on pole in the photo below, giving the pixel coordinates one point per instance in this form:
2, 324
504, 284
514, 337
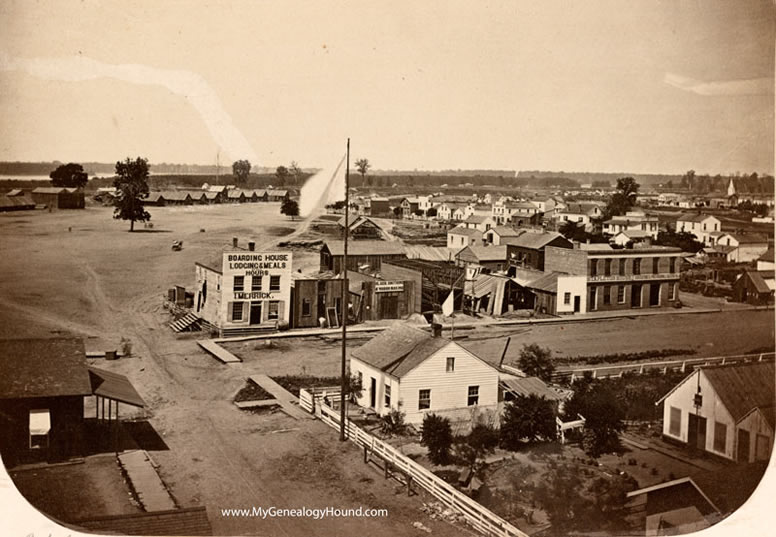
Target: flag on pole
326, 186
447, 306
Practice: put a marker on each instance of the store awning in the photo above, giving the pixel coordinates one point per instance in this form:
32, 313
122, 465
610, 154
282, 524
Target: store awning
114, 386
40, 421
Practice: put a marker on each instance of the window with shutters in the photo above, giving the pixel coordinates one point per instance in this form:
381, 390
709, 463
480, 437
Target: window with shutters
239, 283
274, 310
474, 395
237, 311
274, 283
424, 399
255, 283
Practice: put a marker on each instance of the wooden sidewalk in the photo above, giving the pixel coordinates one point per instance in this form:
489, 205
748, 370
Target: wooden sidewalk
219, 352
150, 489
287, 401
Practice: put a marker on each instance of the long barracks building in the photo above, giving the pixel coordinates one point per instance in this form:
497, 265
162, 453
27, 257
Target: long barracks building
646, 277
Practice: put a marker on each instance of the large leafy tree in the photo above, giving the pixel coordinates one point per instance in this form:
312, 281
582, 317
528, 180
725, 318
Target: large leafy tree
437, 436
623, 198
69, 175
290, 208
527, 418
241, 170
603, 415
684, 240
536, 361
131, 184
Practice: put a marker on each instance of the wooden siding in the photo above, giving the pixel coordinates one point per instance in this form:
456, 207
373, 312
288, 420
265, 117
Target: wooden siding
415, 277
448, 390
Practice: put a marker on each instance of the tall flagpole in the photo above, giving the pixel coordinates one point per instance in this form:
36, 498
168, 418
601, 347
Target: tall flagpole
344, 315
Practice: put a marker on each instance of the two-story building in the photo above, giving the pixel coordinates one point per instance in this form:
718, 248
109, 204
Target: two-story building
462, 236
482, 223
725, 410
621, 278
408, 369
632, 221
742, 247
581, 213
527, 249
242, 291
699, 224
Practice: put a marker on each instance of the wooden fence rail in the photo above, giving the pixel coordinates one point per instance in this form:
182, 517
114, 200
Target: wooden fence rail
614, 370
482, 519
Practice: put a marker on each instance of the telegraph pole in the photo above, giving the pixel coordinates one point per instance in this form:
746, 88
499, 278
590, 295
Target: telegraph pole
345, 292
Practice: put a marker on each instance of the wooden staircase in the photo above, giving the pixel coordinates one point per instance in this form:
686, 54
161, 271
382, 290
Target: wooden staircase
188, 322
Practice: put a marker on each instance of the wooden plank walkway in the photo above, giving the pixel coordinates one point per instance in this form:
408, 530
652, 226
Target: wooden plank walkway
256, 404
219, 352
287, 401
151, 492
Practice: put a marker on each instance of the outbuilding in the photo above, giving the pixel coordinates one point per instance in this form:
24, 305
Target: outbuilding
59, 197
363, 255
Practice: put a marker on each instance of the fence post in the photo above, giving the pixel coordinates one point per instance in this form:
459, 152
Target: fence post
387, 468
409, 484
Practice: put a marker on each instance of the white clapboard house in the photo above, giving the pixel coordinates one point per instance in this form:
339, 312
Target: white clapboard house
725, 410
418, 372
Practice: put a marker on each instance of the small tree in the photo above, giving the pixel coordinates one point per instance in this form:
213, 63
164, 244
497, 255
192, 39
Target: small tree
69, 176
603, 416
282, 174
131, 184
290, 208
437, 436
432, 212
241, 170
362, 165
536, 361
393, 423
397, 212
527, 418
295, 171
623, 199
482, 440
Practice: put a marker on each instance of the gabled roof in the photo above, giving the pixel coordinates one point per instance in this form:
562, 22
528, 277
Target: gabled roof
694, 217
486, 253
175, 196
477, 219
748, 238
114, 386
235, 194
399, 349
154, 197
767, 256
635, 233
466, 231
273, 192
740, 387
211, 195
216, 188
520, 205
759, 279
43, 368
15, 192
428, 253
337, 248
581, 208
533, 240
548, 282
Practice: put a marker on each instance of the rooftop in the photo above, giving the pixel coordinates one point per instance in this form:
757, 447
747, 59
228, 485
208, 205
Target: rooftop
399, 349
337, 248
188, 521
43, 368
467, 231
533, 240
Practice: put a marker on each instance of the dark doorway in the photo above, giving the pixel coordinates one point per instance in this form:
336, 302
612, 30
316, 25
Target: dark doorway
199, 301
743, 446
636, 295
389, 306
654, 294
696, 432
255, 313
373, 392
576, 304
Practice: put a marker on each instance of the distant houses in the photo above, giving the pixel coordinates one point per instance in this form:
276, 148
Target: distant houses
214, 194
59, 197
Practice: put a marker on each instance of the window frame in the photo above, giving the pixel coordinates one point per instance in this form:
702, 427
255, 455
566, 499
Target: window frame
621, 294
566, 299
238, 288
678, 421
254, 279
276, 304
387, 395
307, 305
450, 364
636, 266
274, 282
422, 399
719, 426
473, 399
236, 318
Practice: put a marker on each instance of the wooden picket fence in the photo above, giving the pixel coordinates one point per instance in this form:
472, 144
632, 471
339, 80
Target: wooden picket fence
480, 518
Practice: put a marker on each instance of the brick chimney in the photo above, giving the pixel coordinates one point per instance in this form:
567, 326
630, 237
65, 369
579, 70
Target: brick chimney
251, 246
234, 242
436, 330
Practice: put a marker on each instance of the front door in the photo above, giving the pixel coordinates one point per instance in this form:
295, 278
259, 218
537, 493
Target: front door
743, 446
372, 392
255, 313
636, 296
696, 431
576, 304
654, 294
389, 306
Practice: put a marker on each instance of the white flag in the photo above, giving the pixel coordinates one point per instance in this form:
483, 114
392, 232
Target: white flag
324, 187
447, 306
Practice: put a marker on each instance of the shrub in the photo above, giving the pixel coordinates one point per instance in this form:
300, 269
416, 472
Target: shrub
437, 437
393, 423
536, 361
527, 418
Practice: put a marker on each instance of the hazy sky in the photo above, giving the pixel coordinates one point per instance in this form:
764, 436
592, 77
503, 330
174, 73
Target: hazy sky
640, 86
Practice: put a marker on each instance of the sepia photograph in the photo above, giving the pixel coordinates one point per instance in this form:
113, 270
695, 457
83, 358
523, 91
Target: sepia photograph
337, 268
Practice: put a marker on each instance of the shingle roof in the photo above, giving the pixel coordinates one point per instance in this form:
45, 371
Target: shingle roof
758, 278
337, 248
467, 231
49, 190
399, 349
114, 386
693, 217
476, 219
506, 231
548, 282
487, 253
532, 240
742, 387
188, 521
43, 368
580, 208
